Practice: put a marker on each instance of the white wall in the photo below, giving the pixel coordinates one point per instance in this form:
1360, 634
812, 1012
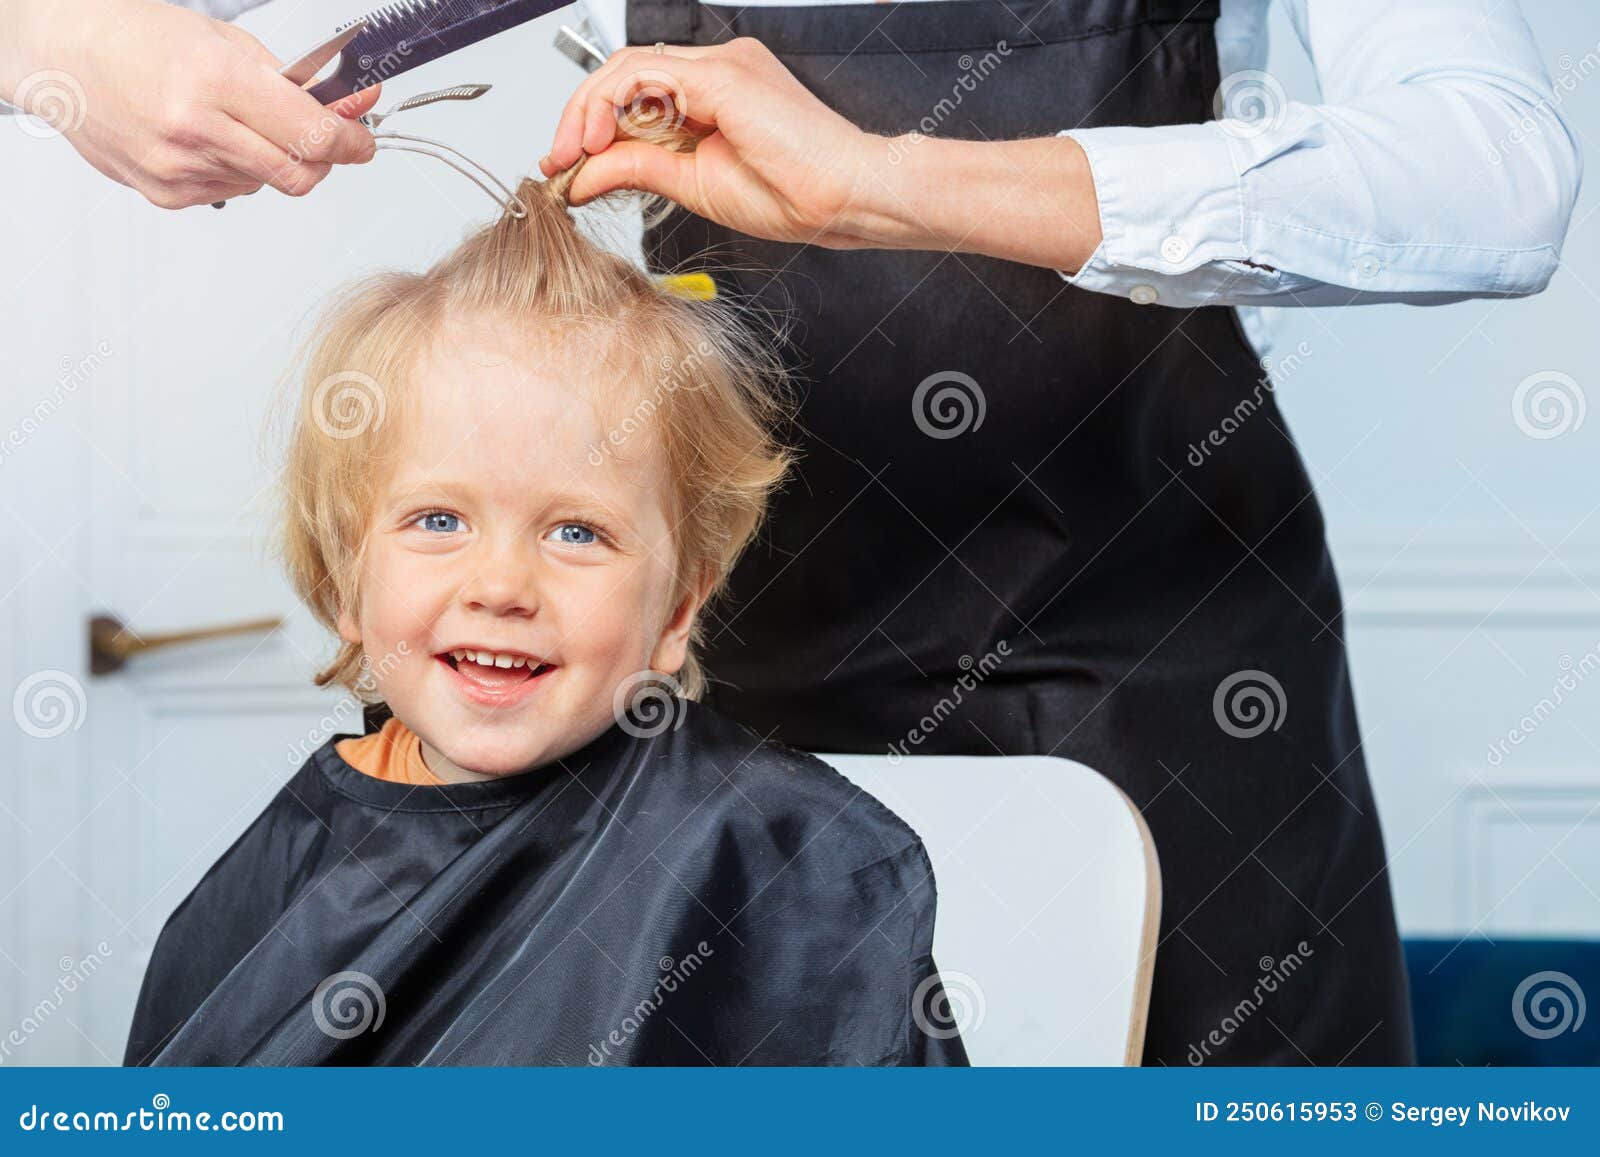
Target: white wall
1470, 557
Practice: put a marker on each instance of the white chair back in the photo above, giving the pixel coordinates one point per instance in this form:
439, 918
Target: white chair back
1049, 901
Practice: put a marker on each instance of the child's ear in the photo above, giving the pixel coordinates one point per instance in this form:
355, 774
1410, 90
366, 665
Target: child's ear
672, 650
347, 628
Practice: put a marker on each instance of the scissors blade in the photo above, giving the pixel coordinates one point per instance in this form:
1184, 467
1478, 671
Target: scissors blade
303, 69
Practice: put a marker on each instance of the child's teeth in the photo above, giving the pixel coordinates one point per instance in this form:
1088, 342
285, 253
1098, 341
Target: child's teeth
491, 659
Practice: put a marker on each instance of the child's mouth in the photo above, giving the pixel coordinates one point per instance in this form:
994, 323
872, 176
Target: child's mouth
490, 678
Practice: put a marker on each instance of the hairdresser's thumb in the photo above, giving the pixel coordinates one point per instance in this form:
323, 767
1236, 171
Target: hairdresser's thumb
634, 165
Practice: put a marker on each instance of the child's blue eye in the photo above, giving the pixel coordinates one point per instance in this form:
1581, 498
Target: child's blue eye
439, 520
575, 534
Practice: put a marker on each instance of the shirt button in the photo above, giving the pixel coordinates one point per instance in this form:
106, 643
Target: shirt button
1367, 266
1174, 249
1143, 294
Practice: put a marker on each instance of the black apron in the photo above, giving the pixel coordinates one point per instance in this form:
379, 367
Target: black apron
1052, 554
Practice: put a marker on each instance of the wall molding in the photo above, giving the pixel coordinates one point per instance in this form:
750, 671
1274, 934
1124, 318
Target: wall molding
1467, 578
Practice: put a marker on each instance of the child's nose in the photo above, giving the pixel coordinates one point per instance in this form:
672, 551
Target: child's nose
503, 583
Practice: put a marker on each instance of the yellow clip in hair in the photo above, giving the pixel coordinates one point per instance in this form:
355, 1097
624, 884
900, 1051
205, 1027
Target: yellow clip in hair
694, 286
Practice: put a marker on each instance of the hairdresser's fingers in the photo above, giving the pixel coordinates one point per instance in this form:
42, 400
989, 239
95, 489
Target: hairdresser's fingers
293, 119
183, 193
567, 145
214, 191
711, 183
686, 88
734, 87
350, 107
267, 164
636, 165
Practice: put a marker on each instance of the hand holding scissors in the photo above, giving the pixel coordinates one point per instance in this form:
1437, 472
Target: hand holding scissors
183, 108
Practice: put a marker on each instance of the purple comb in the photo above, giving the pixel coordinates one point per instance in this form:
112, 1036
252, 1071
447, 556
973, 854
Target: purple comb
398, 37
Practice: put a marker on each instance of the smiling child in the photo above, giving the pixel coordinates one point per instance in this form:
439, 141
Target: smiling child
513, 484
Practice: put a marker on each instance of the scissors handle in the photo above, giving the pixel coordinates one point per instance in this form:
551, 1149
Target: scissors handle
304, 68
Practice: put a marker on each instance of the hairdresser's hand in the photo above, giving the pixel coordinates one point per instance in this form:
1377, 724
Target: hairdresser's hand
775, 162
183, 108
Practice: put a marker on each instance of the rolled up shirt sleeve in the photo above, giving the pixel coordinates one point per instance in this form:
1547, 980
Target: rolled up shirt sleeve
1439, 167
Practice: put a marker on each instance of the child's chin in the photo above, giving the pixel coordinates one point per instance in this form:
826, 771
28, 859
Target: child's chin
525, 749
497, 762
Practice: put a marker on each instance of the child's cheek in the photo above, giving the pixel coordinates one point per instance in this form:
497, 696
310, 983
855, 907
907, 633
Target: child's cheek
398, 611
601, 615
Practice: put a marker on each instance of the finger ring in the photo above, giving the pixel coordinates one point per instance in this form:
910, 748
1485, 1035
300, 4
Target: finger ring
660, 47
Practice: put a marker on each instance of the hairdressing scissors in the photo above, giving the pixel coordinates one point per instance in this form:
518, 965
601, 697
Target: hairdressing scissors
303, 71
304, 68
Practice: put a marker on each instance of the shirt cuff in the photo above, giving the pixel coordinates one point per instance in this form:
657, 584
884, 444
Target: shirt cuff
1171, 217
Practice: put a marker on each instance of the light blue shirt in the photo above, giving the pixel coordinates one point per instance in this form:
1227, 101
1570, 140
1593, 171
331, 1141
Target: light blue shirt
1437, 165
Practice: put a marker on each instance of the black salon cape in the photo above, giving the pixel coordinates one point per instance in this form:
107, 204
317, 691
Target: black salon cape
683, 898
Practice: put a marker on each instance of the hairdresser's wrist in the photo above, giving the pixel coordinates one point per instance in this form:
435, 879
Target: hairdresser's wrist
1031, 201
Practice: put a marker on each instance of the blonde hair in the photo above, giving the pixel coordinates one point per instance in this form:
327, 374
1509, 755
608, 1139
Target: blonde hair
718, 401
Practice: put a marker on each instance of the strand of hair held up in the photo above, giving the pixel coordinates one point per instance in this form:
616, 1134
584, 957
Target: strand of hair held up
655, 123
